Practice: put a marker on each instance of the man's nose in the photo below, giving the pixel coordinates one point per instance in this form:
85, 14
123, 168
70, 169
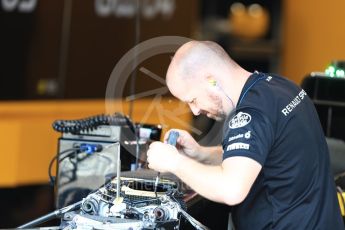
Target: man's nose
195, 110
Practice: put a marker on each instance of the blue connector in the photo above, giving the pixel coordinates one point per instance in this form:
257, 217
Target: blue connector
91, 148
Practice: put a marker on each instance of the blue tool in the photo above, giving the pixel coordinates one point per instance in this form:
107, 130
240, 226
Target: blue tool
172, 140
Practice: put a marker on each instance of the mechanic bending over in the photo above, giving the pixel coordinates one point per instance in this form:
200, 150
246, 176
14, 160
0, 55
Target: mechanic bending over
273, 167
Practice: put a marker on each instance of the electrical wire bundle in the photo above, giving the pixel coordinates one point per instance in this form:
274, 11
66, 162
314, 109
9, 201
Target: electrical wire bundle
83, 148
91, 123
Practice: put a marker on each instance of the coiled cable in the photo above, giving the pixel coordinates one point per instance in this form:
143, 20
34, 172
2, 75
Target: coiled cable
91, 123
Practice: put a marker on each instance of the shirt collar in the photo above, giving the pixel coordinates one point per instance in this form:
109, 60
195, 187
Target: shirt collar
249, 83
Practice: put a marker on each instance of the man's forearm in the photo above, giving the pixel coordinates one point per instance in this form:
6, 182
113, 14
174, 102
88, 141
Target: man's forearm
210, 155
207, 180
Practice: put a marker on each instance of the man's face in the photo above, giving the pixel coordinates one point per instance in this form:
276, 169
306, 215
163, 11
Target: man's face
200, 98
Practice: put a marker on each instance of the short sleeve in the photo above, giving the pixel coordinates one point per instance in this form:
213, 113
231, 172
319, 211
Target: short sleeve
248, 133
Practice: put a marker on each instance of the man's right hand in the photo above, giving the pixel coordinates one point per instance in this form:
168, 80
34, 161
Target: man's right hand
186, 144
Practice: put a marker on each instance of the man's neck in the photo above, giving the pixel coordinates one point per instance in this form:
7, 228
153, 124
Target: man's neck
236, 83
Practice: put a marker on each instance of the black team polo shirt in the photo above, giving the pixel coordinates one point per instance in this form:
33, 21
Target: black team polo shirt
276, 124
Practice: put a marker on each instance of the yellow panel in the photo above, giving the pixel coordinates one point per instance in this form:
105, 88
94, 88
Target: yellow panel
10, 145
38, 146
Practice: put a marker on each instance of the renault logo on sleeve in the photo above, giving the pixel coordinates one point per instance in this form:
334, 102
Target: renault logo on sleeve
240, 120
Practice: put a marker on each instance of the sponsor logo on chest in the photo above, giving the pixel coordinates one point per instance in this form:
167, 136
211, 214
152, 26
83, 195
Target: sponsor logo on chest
240, 120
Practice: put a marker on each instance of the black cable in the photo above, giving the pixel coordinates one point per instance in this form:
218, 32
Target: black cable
91, 123
71, 150
68, 156
83, 148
